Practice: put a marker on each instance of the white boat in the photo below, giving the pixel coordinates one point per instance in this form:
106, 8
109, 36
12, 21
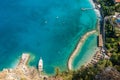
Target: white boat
40, 65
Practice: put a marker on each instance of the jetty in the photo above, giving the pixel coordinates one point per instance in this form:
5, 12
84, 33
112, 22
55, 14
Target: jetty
77, 49
100, 40
24, 72
24, 59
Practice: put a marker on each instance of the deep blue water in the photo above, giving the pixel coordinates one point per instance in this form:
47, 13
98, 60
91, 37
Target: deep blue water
45, 28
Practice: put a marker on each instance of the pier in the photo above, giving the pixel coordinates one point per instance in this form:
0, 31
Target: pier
100, 40
24, 59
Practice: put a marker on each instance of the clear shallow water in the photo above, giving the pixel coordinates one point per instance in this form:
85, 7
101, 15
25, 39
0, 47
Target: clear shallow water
46, 28
86, 52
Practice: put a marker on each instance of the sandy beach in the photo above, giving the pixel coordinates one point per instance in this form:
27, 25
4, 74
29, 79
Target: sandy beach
78, 47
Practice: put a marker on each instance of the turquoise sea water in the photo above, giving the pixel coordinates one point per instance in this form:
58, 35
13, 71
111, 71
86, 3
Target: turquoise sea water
86, 52
45, 28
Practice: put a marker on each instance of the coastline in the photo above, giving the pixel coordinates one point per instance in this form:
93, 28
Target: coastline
78, 47
22, 71
75, 52
82, 59
15, 63
97, 11
92, 3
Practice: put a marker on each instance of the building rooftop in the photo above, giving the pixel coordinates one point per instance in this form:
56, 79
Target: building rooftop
117, 1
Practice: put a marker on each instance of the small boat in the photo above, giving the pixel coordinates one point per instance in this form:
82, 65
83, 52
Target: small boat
40, 65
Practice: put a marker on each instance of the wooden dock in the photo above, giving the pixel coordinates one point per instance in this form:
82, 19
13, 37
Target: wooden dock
100, 40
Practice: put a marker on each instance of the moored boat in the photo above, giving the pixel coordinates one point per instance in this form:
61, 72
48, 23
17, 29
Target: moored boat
40, 65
